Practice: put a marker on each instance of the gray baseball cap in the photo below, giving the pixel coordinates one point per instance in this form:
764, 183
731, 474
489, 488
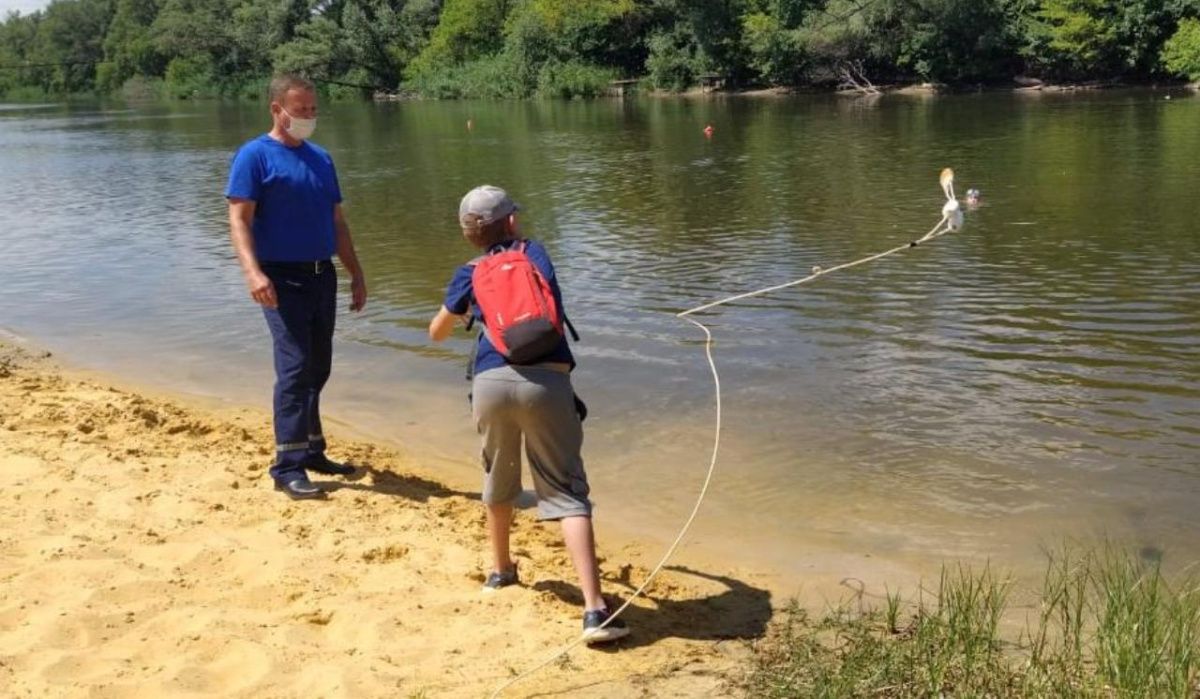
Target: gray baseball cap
484, 205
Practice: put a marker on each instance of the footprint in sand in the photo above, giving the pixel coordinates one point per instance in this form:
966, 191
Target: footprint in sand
77, 668
222, 667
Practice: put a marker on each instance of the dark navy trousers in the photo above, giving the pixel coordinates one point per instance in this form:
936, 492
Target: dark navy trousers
302, 334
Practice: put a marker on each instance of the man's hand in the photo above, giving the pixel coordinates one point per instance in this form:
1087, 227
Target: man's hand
261, 289
345, 253
358, 292
241, 216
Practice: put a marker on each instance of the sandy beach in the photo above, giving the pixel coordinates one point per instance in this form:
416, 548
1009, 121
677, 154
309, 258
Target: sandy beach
143, 553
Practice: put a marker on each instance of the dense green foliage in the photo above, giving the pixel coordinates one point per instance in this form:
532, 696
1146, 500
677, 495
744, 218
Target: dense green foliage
519, 48
1181, 54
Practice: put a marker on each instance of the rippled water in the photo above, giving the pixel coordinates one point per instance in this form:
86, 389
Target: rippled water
1035, 375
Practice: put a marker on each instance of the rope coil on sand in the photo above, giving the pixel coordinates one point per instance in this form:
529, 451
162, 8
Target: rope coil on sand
952, 220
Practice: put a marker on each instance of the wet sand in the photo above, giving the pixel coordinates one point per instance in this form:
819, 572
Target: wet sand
143, 553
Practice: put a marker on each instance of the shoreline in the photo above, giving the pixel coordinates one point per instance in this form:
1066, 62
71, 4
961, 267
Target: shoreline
1031, 87
923, 89
146, 552
813, 568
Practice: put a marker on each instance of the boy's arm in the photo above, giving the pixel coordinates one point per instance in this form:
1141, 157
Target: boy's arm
443, 324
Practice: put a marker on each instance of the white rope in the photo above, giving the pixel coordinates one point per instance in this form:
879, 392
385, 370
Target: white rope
818, 272
943, 227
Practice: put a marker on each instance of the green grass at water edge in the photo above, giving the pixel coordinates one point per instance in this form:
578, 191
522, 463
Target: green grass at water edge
1107, 624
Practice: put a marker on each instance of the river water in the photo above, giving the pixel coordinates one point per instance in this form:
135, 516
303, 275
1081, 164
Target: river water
1032, 377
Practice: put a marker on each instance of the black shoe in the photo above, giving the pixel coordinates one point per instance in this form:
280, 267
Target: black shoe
300, 489
593, 620
329, 468
499, 580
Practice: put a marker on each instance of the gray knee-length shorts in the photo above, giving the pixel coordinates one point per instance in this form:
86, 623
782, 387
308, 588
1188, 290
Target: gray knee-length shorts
535, 403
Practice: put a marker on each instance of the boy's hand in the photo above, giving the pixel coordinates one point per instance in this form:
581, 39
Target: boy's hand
443, 324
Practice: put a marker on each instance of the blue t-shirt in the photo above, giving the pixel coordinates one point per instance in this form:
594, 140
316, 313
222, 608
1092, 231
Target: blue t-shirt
460, 298
295, 191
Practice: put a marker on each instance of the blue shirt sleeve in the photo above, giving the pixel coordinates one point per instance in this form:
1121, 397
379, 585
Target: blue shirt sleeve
245, 174
458, 292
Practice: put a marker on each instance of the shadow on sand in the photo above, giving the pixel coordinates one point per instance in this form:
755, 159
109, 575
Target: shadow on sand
741, 611
385, 482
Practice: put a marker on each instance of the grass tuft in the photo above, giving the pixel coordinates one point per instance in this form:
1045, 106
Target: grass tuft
1108, 624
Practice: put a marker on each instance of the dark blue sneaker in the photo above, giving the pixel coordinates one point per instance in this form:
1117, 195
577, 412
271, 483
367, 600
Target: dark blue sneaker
594, 620
498, 580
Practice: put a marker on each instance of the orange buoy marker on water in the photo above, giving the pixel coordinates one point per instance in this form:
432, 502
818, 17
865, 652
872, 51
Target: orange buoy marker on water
708, 131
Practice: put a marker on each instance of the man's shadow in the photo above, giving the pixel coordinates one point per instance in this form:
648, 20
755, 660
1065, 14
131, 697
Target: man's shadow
740, 612
387, 482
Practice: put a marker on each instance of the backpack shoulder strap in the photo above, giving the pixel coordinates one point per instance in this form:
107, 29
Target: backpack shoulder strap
524, 243
473, 355
473, 262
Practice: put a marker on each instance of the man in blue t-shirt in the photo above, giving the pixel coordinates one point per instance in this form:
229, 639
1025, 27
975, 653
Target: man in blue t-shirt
286, 221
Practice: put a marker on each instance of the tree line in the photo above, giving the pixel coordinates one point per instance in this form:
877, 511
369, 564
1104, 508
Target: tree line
521, 48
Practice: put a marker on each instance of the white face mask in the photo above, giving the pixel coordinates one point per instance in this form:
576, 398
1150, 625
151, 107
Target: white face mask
301, 129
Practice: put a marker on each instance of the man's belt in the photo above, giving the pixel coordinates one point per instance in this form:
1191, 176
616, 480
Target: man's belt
316, 266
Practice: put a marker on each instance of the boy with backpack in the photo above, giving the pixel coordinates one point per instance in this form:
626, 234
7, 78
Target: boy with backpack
521, 388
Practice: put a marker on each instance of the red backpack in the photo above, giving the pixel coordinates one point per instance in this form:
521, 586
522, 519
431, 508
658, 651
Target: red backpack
521, 317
